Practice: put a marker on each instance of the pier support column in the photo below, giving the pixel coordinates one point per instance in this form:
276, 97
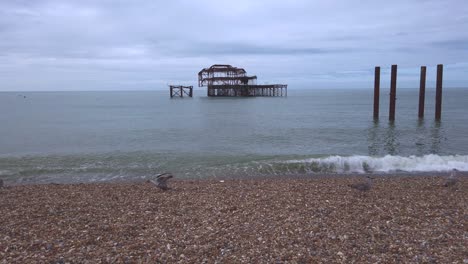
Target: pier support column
376, 92
393, 82
422, 92
438, 99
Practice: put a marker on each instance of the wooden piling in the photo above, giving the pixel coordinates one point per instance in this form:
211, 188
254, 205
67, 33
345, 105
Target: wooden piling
376, 92
438, 99
422, 92
393, 82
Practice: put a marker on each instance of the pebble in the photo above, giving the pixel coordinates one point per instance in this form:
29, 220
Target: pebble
254, 221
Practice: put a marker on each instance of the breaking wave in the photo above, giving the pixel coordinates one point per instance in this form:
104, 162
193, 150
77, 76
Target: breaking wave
138, 166
363, 164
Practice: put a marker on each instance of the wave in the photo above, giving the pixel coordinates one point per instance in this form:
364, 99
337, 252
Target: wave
389, 163
131, 166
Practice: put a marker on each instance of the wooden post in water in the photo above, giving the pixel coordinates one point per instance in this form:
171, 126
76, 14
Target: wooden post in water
376, 92
438, 100
422, 92
393, 81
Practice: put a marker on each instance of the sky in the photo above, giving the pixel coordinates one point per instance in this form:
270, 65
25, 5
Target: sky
50, 45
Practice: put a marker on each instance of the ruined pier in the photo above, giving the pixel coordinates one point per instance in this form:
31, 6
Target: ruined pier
228, 81
248, 90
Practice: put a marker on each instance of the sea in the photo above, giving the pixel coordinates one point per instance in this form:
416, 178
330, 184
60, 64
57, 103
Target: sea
94, 136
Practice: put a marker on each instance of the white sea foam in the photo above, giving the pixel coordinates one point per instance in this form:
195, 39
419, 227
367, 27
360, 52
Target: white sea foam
4, 172
360, 164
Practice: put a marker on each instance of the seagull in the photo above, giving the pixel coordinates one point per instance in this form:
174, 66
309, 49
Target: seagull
452, 179
363, 186
161, 180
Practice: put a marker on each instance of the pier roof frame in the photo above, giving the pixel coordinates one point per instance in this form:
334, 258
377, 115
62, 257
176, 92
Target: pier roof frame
224, 74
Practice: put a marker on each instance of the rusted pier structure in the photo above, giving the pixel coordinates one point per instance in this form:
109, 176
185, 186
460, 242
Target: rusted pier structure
226, 80
422, 92
376, 92
438, 98
393, 84
248, 90
179, 91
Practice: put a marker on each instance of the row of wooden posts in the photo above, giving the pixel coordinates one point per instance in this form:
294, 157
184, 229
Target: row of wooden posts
422, 92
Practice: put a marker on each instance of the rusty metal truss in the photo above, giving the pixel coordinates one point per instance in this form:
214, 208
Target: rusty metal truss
223, 74
179, 91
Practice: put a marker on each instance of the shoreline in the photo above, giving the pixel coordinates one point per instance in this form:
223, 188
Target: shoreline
293, 219
9, 182
108, 166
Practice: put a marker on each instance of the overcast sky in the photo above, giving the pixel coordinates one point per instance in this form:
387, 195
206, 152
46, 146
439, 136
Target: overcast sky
139, 45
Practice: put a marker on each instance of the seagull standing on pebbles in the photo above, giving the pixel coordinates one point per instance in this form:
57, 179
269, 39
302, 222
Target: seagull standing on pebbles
452, 179
363, 186
161, 181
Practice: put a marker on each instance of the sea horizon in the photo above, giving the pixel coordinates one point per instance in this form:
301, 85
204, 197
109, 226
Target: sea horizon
202, 90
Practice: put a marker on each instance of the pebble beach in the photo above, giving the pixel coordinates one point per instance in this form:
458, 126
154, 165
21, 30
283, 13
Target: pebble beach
294, 220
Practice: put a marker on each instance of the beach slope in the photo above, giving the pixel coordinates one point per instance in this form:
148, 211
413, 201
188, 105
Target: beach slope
294, 220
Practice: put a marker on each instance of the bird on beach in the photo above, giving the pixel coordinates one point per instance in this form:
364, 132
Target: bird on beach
161, 180
452, 179
363, 186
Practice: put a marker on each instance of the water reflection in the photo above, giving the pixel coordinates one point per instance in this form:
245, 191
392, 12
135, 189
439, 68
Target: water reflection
392, 142
373, 138
420, 140
394, 139
437, 136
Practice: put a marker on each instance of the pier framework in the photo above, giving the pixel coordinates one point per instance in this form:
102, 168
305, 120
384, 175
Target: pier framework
422, 92
226, 80
248, 90
179, 90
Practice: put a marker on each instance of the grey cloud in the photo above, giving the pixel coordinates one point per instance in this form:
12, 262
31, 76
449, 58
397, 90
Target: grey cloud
120, 42
452, 44
228, 49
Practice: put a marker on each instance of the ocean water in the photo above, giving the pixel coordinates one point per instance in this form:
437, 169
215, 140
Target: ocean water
100, 136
